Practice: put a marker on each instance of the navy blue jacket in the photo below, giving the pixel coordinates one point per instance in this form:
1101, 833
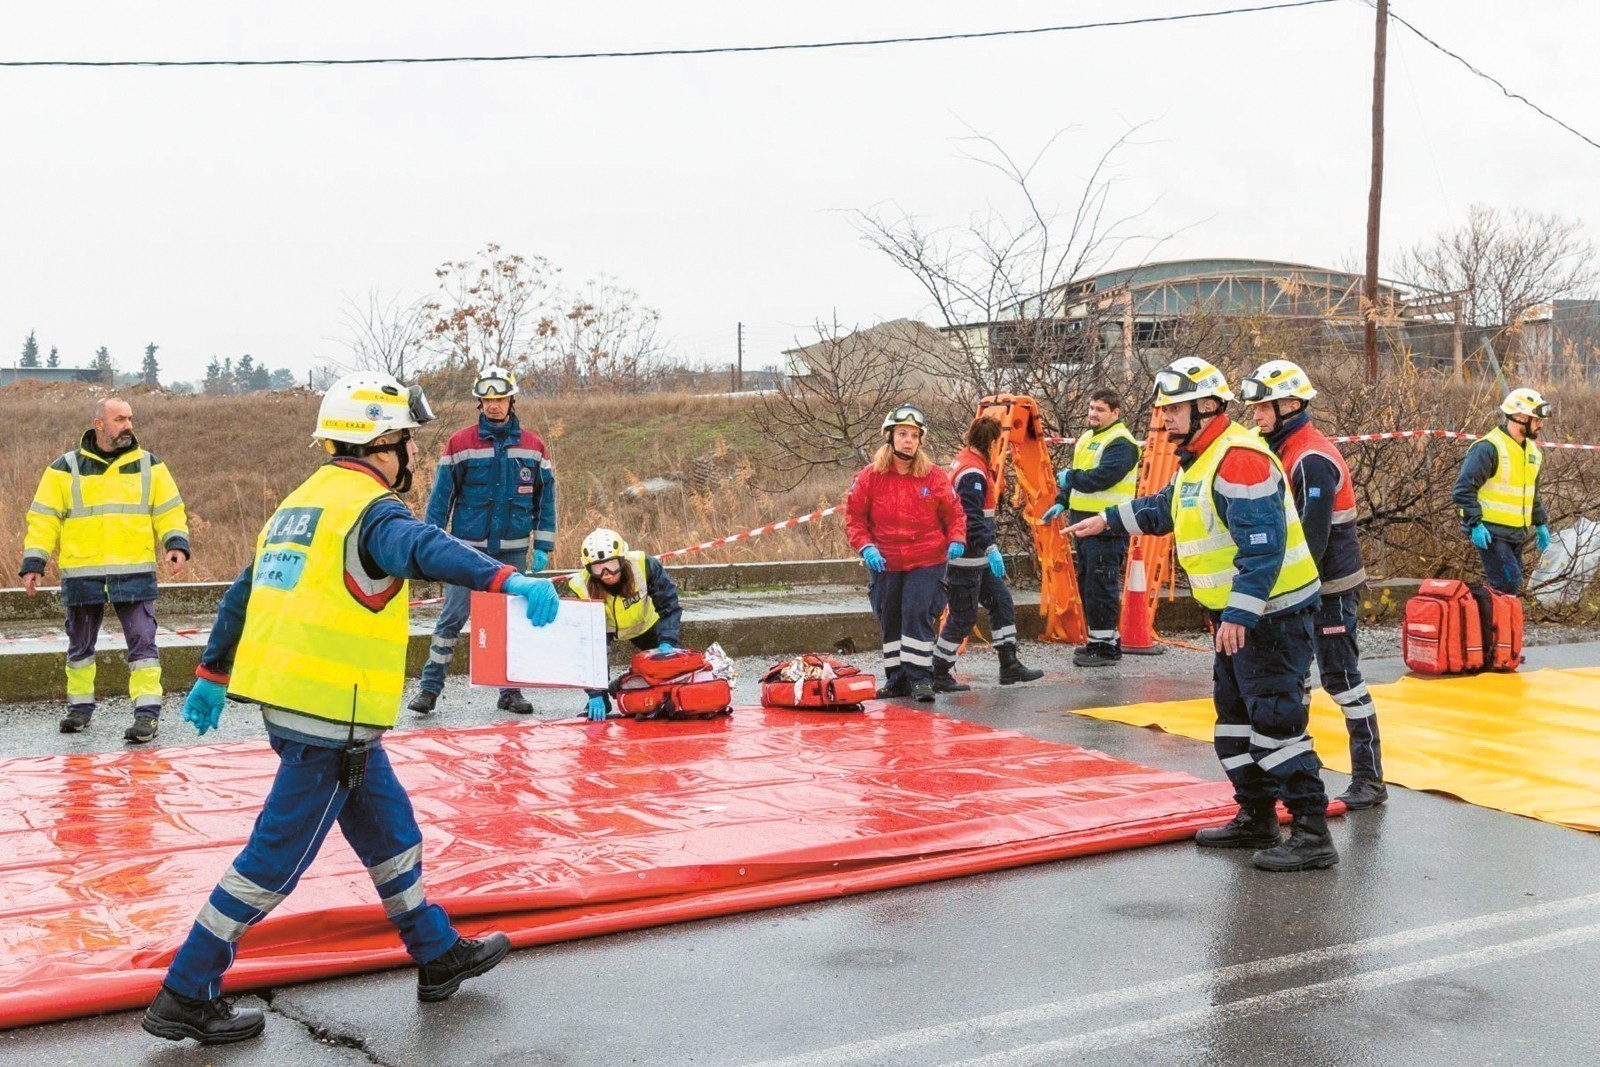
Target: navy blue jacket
1477, 468
495, 489
1314, 481
1116, 460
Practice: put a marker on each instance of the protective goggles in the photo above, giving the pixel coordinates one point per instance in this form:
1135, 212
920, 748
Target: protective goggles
1252, 391
487, 388
417, 402
907, 416
1541, 410
603, 567
1171, 383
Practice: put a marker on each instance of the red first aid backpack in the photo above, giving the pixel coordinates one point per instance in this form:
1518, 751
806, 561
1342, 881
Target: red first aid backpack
672, 685
1500, 617
1443, 629
845, 691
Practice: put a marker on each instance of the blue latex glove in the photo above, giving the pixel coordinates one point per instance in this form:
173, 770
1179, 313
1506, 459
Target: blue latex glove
541, 559
957, 550
540, 593
1481, 535
664, 647
203, 705
1064, 477
597, 709
1054, 513
1541, 537
874, 559
997, 562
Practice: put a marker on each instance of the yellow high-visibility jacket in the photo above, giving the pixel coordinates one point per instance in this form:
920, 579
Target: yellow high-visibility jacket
108, 517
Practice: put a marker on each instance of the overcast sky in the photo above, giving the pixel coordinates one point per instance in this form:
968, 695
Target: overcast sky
225, 211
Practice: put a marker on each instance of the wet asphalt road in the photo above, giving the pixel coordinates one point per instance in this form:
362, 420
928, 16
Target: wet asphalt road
1449, 934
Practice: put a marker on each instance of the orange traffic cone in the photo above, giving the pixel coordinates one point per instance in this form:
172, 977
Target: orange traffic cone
1138, 635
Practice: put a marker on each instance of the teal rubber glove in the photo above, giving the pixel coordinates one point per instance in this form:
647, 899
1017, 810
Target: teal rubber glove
1064, 478
997, 562
597, 709
874, 559
540, 593
957, 550
203, 705
1054, 513
664, 647
1481, 535
1541, 536
541, 559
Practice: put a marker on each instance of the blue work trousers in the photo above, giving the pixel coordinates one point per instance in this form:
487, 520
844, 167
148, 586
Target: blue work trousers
908, 604
1098, 562
452, 617
970, 588
305, 800
1502, 565
1339, 664
1261, 735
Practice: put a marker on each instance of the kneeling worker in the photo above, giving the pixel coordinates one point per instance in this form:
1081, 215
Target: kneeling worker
979, 575
316, 634
641, 599
1238, 538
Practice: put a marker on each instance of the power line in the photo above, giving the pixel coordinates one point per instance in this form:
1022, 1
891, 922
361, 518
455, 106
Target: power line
654, 52
1492, 80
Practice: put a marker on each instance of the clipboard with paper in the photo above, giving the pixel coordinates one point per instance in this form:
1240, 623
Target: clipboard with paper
507, 650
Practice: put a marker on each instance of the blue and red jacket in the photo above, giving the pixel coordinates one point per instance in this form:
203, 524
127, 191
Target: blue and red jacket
1325, 497
495, 490
978, 494
912, 521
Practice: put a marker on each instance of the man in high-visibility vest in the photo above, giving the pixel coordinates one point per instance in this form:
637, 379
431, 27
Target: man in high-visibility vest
315, 631
1104, 474
1238, 538
1497, 492
112, 507
1279, 394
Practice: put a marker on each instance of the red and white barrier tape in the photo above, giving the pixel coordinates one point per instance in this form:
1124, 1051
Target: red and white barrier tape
770, 527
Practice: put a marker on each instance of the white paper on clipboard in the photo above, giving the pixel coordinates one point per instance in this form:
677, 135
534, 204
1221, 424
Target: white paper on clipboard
571, 651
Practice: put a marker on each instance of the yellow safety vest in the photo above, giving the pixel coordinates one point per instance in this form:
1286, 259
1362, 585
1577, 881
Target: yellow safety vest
316, 641
108, 523
625, 618
1086, 457
1206, 548
1507, 498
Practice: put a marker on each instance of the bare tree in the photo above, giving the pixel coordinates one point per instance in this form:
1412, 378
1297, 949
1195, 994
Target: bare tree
600, 336
828, 411
486, 310
386, 334
1505, 263
1000, 287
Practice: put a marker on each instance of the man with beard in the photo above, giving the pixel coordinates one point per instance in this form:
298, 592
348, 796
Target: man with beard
109, 504
1497, 492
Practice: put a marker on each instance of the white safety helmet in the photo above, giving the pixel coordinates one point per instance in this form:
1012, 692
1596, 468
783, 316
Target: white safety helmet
494, 381
1528, 402
601, 545
359, 408
904, 415
1188, 379
1277, 379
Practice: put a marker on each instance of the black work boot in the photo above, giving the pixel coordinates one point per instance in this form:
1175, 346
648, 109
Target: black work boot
1308, 847
922, 693
943, 683
513, 700
210, 1022
1364, 793
467, 958
143, 729
1011, 669
76, 719
1253, 827
423, 702
1097, 654
891, 690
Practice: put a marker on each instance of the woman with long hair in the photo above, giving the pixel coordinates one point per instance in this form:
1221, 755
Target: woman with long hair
903, 519
640, 597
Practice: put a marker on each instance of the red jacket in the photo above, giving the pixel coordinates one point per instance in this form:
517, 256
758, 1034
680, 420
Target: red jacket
911, 520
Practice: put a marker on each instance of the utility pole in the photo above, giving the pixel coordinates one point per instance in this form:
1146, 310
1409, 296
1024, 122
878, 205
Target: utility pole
738, 375
1375, 194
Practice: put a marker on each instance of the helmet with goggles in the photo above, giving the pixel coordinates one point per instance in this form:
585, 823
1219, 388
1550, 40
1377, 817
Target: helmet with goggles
1278, 379
601, 545
904, 415
360, 408
1528, 402
494, 381
1189, 379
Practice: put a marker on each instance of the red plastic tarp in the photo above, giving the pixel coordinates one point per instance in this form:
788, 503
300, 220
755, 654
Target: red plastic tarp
548, 831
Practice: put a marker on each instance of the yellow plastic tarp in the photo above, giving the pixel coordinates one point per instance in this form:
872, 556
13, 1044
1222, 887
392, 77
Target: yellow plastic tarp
1524, 743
